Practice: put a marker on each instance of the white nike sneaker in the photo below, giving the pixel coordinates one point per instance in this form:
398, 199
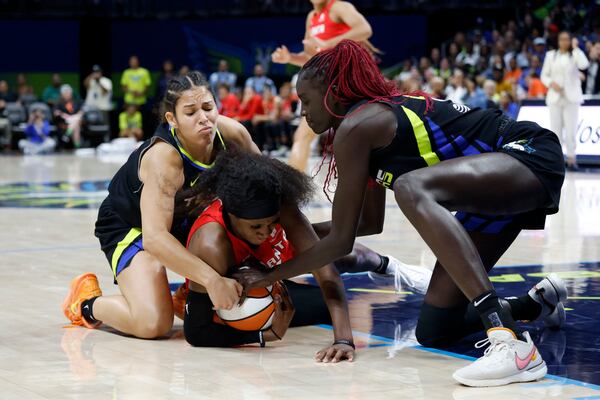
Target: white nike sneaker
506, 360
550, 292
409, 277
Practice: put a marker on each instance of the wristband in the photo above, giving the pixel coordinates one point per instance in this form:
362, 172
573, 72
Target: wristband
261, 339
346, 342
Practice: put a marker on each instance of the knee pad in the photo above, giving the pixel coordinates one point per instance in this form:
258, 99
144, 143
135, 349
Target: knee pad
440, 327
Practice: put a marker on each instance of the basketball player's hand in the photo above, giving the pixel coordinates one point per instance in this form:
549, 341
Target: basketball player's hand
251, 278
224, 292
284, 312
335, 353
314, 45
281, 55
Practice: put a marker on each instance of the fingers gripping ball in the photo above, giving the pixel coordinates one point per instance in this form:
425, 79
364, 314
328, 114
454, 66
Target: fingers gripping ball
256, 312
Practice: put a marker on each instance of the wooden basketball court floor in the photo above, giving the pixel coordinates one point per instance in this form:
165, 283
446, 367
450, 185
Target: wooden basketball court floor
48, 207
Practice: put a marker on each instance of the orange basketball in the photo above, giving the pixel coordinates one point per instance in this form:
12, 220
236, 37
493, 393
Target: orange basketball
256, 313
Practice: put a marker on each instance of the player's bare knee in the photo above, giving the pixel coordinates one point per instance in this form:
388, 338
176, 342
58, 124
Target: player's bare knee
153, 327
410, 191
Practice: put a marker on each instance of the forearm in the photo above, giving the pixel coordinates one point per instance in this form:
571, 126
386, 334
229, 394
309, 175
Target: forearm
364, 229
299, 59
322, 228
324, 252
334, 295
174, 256
546, 78
372, 214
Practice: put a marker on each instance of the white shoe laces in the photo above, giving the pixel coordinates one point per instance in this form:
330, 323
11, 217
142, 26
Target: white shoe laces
493, 347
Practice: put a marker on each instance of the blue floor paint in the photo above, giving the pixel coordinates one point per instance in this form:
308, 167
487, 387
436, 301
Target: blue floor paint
572, 353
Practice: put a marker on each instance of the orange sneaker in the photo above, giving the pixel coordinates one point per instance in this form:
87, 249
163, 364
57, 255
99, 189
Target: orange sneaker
179, 299
84, 287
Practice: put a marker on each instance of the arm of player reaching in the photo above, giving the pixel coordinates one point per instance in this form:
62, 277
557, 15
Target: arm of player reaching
302, 237
352, 161
282, 55
162, 174
332, 287
372, 215
373, 127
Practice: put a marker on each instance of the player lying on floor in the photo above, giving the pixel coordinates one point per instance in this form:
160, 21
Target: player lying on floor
244, 198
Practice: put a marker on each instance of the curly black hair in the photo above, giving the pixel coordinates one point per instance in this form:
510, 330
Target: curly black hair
238, 177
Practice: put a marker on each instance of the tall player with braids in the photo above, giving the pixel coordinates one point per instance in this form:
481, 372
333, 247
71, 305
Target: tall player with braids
500, 176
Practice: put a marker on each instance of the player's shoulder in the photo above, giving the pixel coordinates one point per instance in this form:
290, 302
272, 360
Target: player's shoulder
341, 6
368, 117
236, 133
161, 159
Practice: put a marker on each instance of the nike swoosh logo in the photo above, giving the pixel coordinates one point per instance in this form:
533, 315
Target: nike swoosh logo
524, 362
195, 180
86, 306
186, 309
476, 303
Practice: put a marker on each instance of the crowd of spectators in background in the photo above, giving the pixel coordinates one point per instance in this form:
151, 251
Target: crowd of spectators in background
502, 67
497, 68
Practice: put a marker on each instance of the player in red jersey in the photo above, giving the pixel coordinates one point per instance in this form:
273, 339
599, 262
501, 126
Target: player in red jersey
329, 23
243, 224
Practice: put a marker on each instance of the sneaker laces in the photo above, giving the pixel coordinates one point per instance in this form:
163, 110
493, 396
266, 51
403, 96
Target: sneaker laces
495, 346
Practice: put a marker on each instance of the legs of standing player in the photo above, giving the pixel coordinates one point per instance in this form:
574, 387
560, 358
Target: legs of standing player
300, 153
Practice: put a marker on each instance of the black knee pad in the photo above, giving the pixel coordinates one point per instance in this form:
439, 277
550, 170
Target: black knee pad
440, 327
346, 263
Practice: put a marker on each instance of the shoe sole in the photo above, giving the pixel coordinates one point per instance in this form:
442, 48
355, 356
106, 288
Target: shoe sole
560, 288
75, 283
530, 375
551, 320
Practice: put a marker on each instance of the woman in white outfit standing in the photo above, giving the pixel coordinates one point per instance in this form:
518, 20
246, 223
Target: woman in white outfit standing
561, 74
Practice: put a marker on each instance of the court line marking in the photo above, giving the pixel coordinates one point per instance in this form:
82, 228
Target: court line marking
383, 291
572, 264
560, 379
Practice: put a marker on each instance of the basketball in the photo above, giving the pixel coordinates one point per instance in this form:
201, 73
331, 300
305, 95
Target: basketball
256, 312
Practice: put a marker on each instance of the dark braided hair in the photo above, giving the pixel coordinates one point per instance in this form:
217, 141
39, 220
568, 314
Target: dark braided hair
238, 177
179, 84
351, 75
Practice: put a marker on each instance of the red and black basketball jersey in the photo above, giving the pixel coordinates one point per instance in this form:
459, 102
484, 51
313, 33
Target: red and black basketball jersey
273, 251
323, 27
